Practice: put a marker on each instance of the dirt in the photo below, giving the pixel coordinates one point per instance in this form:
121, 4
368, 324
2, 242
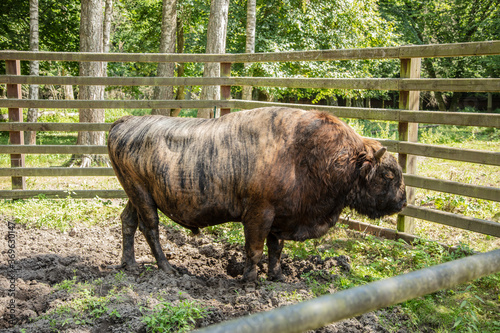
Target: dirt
209, 274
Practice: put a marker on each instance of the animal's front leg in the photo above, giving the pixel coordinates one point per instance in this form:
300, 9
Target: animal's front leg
275, 247
257, 229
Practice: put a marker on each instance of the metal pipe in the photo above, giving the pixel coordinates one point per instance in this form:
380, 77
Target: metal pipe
324, 310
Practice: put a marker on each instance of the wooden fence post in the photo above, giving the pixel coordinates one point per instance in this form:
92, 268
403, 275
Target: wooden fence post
13, 67
408, 100
225, 91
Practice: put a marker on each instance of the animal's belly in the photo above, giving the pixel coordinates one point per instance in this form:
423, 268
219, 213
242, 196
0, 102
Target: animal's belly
302, 229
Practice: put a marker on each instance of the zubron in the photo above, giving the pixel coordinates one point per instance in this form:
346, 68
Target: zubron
286, 174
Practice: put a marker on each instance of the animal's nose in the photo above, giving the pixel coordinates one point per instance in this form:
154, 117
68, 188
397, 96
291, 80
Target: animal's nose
404, 204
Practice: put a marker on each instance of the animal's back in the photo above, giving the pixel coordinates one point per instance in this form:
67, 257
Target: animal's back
202, 172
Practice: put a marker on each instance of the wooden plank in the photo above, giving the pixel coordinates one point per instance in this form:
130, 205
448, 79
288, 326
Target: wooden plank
53, 149
410, 68
115, 104
56, 172
451, 118
60, 194
450, 50
13, 67
463, 85
447, 153
440, 185
70, 127
454, 220
427, 117
339, 111
319, 83
378, 231
413, 51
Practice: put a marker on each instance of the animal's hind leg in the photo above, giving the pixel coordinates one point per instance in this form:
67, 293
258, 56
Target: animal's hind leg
129, 226
275, 247
148, 224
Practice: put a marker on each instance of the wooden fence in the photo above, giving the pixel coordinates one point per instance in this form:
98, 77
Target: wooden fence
407, 116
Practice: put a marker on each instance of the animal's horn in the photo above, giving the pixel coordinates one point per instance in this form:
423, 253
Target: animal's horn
380, 153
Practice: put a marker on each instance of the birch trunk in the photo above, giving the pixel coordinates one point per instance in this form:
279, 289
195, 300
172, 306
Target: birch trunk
216, 43
91, 40
180, 67
250, 42
106, 31
167, 45
30, 136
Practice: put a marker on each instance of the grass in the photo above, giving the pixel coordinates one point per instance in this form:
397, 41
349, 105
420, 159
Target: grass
472, 307
83, 304
167, 317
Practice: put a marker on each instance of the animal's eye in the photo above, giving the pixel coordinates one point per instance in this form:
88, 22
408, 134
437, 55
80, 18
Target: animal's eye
388, 175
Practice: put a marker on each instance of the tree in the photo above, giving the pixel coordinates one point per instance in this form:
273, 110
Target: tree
447, 21
106, 31
250, 41
216, 43
30, 136
91, 40
180, 67
167, 45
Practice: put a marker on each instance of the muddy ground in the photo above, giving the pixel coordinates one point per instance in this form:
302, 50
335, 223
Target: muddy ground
209, 274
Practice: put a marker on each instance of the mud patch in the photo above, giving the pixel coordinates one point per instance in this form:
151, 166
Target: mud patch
64, 282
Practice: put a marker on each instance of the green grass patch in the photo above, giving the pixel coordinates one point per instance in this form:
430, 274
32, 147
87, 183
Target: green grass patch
167, 317
62, 214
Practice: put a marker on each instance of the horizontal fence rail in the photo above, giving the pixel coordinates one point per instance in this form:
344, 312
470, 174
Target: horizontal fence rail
447, 186
426, 117
459, 85
61, 194
398, 52
463, 155
349, 303
453, 220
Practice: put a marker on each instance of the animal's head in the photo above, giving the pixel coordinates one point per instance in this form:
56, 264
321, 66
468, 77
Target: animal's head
379, 189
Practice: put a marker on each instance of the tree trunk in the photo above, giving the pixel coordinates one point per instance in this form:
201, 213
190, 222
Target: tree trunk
440, 101
106, 32
454, 101
30, 136
91, 40
250, 42
167, 45
67, 89
429, 67
180, 67
216, 43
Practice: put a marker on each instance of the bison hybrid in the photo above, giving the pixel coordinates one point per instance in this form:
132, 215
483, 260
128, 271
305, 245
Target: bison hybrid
286, 174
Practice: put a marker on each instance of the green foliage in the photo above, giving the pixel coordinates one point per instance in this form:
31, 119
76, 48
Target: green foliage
62, 214
447, 21
174, 318
59, 24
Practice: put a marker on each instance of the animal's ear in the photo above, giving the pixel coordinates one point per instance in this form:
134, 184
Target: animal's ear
365, 168
365, 163
379, 153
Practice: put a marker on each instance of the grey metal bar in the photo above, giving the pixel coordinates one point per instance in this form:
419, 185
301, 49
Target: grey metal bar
323, 310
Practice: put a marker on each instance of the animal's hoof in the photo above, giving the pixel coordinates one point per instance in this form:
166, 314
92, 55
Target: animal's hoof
250, 276
276, 278
167, 268
132, 267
